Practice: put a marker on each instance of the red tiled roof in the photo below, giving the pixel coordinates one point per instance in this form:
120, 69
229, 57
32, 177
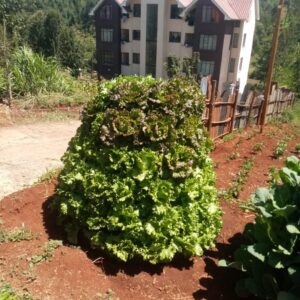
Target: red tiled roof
233, 9
241, 8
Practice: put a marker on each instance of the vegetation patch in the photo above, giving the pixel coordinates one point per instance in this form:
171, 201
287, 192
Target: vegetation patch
235, 187
137, 180
47, 252
16, 235
271, 257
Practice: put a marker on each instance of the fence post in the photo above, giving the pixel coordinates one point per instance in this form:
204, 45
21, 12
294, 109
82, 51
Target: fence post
250, 109
233, 111
211, 107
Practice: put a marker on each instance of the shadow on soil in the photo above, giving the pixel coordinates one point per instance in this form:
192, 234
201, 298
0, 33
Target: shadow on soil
109, 265
220, 282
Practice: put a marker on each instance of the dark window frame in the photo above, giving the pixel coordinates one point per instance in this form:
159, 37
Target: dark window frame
106, 12
174, 37
103, 35
175, 12
235, 40
137, 10
208, 65
125, 37
231, 67
136, 35
125, 62
136, 58
189, 39
107, 58
210, 14
208, 42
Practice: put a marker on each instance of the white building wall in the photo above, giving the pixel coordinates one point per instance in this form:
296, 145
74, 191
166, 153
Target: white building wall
178, 50
248, 28
133, 46
166, 49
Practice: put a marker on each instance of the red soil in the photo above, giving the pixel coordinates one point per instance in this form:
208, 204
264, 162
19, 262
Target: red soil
79, 273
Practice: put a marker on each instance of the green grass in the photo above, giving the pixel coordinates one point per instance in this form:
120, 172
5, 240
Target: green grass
47, 252
8, 293
49, 175
16, 235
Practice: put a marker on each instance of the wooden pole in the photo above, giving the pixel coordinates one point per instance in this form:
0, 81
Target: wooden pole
211, 107
233, 110
250, 109
271, 65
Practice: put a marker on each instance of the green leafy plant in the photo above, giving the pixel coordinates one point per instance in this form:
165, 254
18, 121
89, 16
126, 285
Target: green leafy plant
281, 147
297, 148
233, 155
271, 258
273, 175
257, 147
47, 252
16, 235
240, 179
137, 180
33, 74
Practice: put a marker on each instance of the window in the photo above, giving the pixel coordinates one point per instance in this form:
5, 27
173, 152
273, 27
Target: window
175, 12
106, 35
137, 10
136, 35
206, 67
235, 40
241, 63
244, 39
189, 37
208, 42
237, 24
125, 35
107, 58
210, 14
231, 65
125, 58
106, 12
174, 37
135, 58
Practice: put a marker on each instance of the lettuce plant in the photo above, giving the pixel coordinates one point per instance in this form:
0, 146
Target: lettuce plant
137, 179
271, 259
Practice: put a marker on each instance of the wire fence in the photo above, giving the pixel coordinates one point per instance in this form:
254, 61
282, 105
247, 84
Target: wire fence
227, 112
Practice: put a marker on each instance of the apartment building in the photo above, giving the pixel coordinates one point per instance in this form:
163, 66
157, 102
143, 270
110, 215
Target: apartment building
138, 36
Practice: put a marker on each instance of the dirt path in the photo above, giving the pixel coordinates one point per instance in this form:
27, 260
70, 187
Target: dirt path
28, 151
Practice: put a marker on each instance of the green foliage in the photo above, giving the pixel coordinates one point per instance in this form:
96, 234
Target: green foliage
257, 147
7, 293
33, 74
47, 252
16, 235
281, 147
2, 82
271, 258
137, 180
241, 177
288, 58
297, 148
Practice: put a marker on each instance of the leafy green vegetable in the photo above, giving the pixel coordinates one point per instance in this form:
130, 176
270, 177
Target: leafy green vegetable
137, 179
272, 257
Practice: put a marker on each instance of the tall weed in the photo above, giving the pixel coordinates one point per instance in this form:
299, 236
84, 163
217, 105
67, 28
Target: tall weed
33, 74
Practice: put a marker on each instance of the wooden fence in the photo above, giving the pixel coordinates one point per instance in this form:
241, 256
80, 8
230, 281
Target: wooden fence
226, 113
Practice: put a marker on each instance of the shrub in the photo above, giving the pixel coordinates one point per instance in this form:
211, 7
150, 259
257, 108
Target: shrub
2, 82
271, 258
33, 74
137, 180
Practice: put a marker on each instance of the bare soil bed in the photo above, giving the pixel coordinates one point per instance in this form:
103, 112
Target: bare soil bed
78, 273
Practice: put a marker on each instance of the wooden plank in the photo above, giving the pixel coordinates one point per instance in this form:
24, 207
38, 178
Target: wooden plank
250, 109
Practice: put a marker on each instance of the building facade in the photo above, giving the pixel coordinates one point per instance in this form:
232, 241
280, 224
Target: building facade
138, 36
